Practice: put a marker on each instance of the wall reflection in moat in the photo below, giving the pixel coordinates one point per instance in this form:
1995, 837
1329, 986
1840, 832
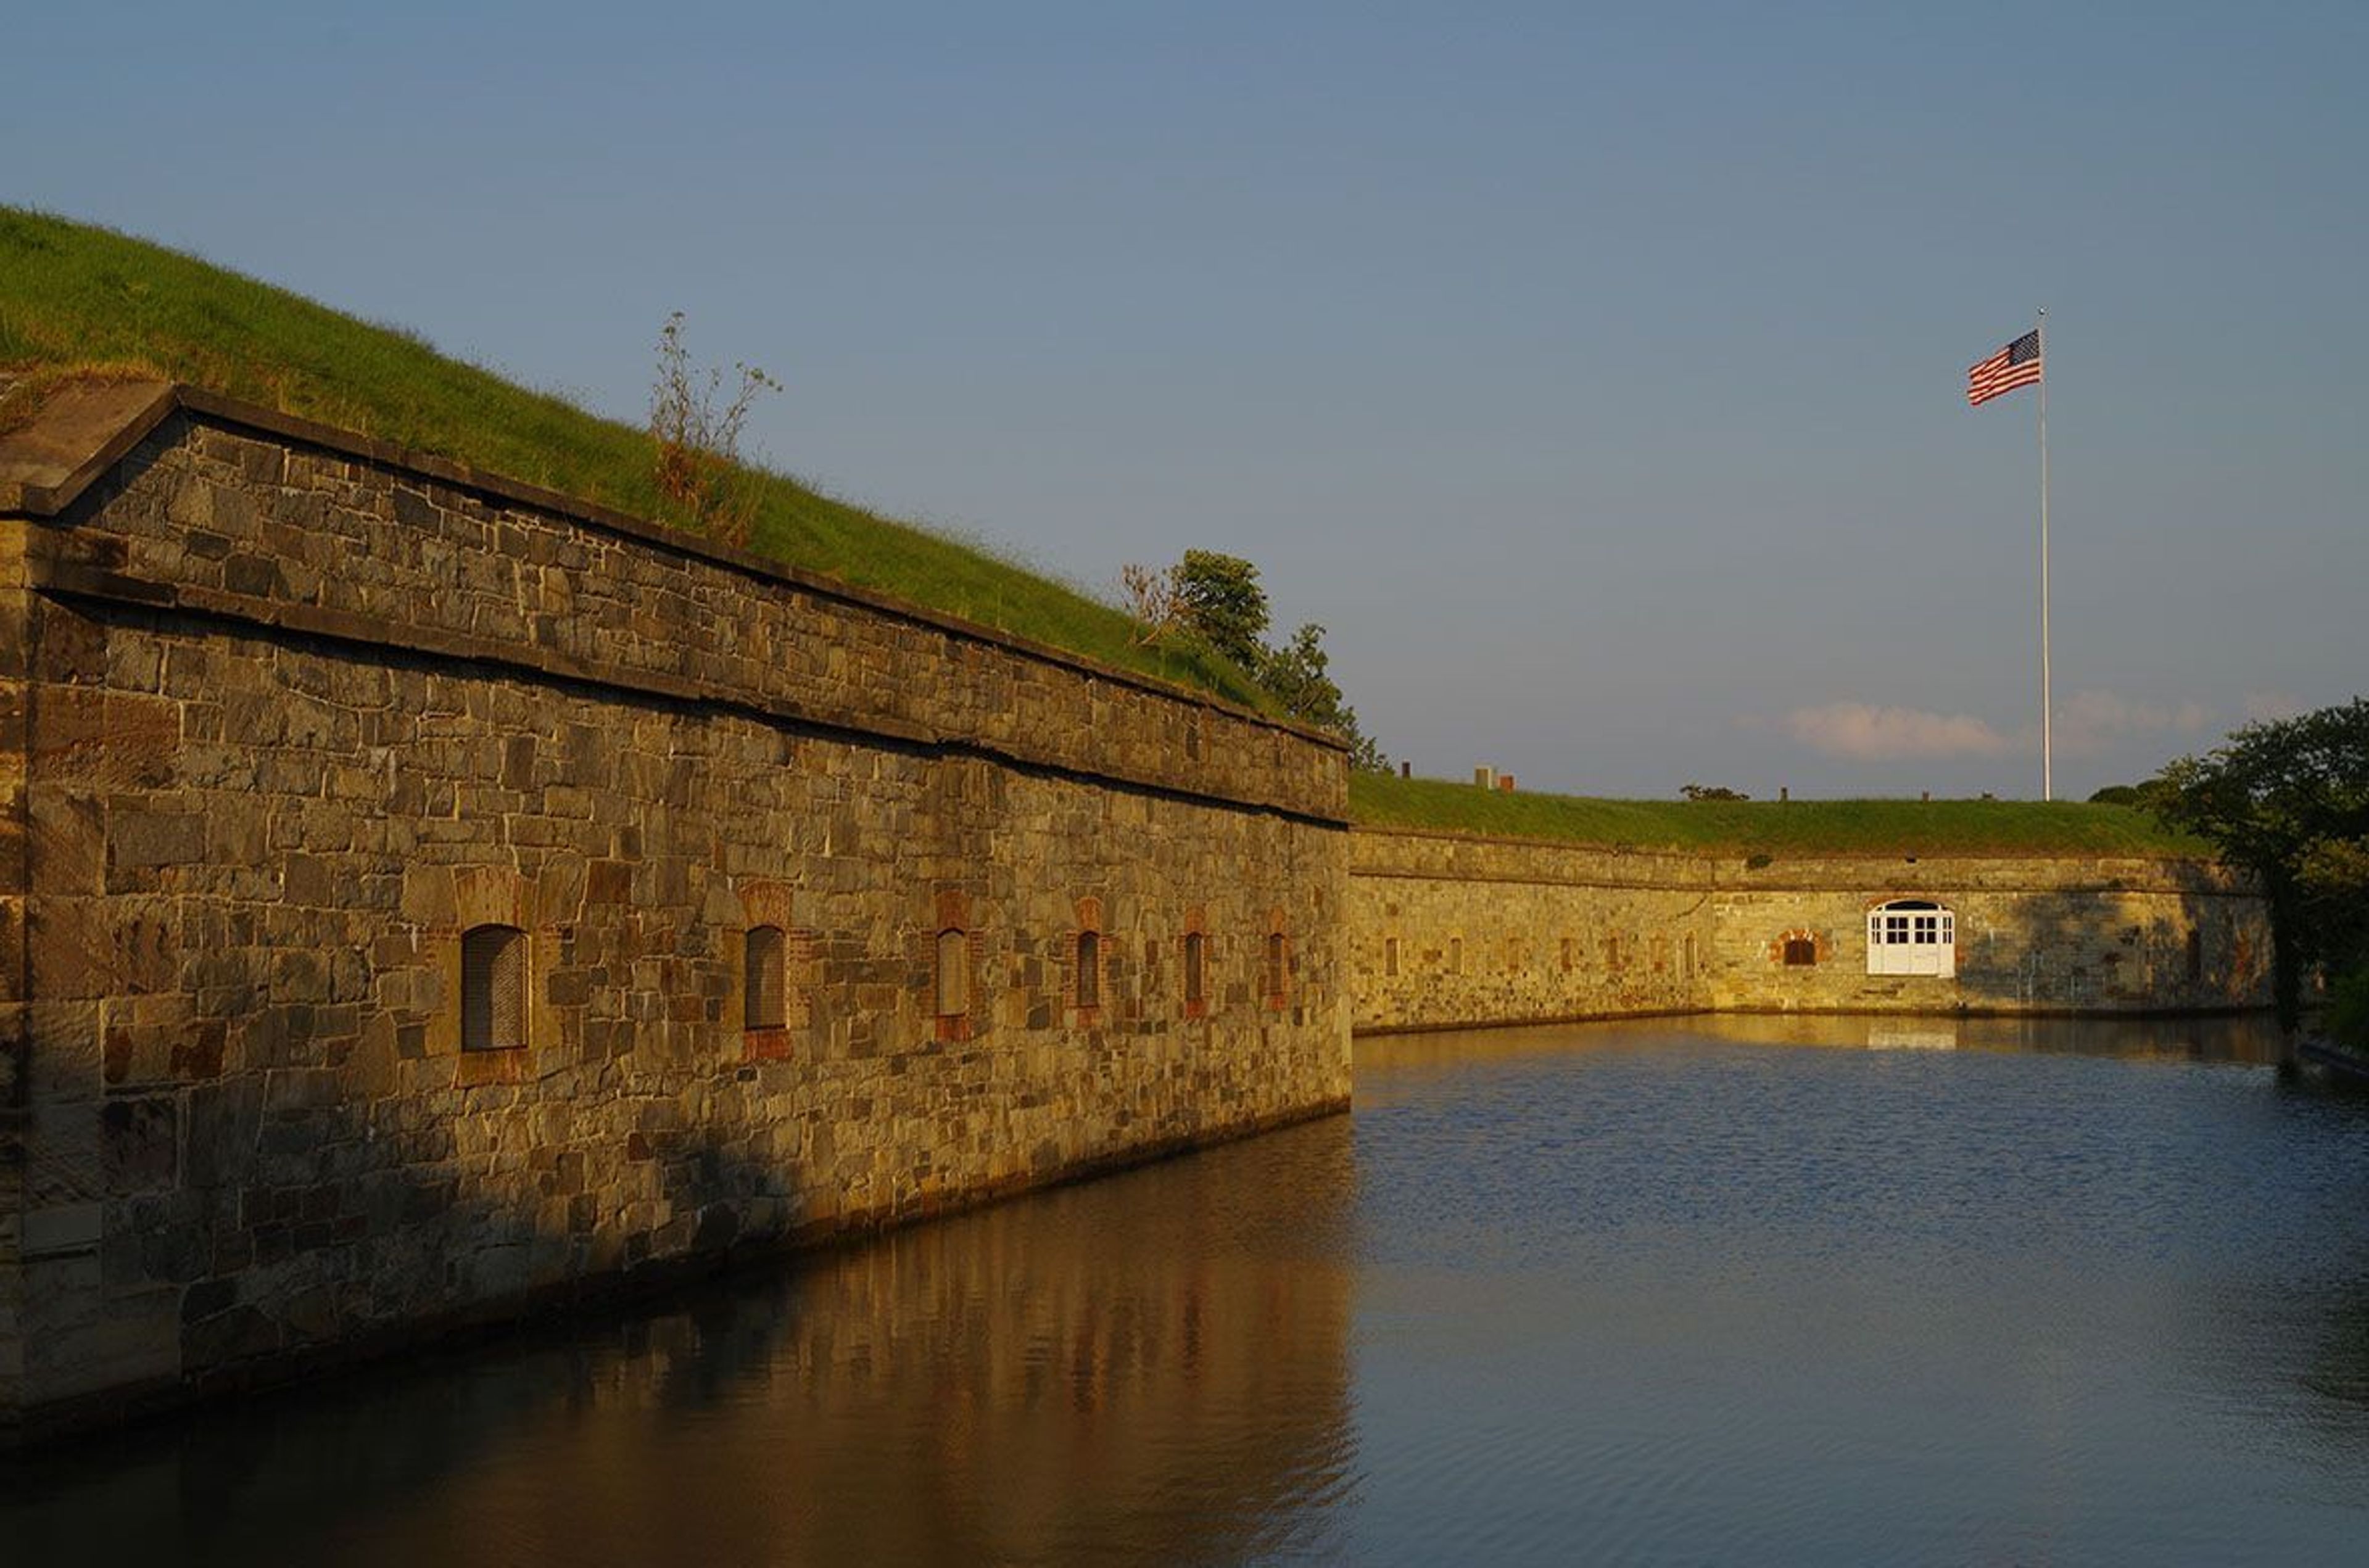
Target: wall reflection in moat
1804, 1289
1150, 1367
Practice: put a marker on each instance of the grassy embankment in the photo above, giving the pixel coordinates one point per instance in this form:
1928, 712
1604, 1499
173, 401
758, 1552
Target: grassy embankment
1772, 828
74, 297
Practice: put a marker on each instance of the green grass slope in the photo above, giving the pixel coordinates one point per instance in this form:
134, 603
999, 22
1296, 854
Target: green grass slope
75, 296
1771, 827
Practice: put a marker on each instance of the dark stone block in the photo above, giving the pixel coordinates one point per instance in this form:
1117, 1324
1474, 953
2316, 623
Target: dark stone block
427, 1202
718, 1224
176, 1251
255, 575
413, 510
140, 1140
206, 1298
223, 1121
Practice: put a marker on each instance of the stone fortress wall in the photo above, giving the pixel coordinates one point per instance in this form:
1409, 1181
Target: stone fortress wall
394, 851
1446, 930
422, 896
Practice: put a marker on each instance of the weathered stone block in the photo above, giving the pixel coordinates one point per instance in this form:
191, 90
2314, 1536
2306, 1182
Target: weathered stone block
98, 739
140, 1138
138, 838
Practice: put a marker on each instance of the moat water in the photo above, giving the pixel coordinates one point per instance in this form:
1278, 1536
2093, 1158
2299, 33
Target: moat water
1830, 1291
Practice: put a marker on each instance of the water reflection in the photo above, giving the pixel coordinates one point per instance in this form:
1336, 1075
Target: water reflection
1745, 1289
2006, 1291
1155, 1367
2252, 1038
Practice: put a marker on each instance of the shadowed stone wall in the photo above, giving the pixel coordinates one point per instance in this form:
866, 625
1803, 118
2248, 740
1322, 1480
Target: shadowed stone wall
1548, 932
295, 711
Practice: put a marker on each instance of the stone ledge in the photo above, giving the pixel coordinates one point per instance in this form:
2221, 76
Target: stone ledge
74, 581
85, 428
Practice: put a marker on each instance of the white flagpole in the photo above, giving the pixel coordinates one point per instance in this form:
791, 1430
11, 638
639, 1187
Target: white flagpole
2047, 735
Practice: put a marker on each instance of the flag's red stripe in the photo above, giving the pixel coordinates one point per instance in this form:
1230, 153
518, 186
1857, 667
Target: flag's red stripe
1981, 388
1995, 375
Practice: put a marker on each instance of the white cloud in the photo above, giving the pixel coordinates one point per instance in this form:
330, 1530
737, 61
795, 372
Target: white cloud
2087, 722
2090, 722
1867, 734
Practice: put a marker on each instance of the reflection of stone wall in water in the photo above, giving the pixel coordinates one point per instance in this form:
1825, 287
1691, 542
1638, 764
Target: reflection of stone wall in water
1448, 929
1155, 1368
301, 715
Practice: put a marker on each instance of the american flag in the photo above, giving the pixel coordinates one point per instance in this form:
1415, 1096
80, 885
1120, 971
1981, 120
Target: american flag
2016, 365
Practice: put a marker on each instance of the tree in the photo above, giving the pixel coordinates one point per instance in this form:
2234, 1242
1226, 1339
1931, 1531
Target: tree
1711, 792
2289, 800
1295, 676
2143, 795
1219, 599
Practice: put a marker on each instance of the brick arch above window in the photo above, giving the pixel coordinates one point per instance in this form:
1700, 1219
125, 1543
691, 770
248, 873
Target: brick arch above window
773, 974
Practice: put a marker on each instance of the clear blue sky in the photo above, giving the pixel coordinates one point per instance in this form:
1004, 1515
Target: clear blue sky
1595, 375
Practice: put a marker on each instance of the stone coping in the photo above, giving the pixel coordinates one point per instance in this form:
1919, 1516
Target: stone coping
86, 427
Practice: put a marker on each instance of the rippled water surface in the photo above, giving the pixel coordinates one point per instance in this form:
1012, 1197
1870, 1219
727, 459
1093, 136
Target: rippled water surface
1825, 1291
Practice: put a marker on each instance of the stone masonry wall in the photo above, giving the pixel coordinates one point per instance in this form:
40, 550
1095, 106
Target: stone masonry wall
2102, 936
301, 715
1448, 929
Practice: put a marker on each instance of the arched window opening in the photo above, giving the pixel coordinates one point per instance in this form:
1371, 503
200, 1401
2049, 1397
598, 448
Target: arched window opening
1912, 936
1802, 951
1570, 955
953, 973
2195, 955
1278, 969
764, 991
492, 988
1687, 957
1197, 967
1454, 955
1390, 956
1090, 969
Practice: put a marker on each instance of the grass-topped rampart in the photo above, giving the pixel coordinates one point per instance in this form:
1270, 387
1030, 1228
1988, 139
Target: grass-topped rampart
75, 298
1772, 828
